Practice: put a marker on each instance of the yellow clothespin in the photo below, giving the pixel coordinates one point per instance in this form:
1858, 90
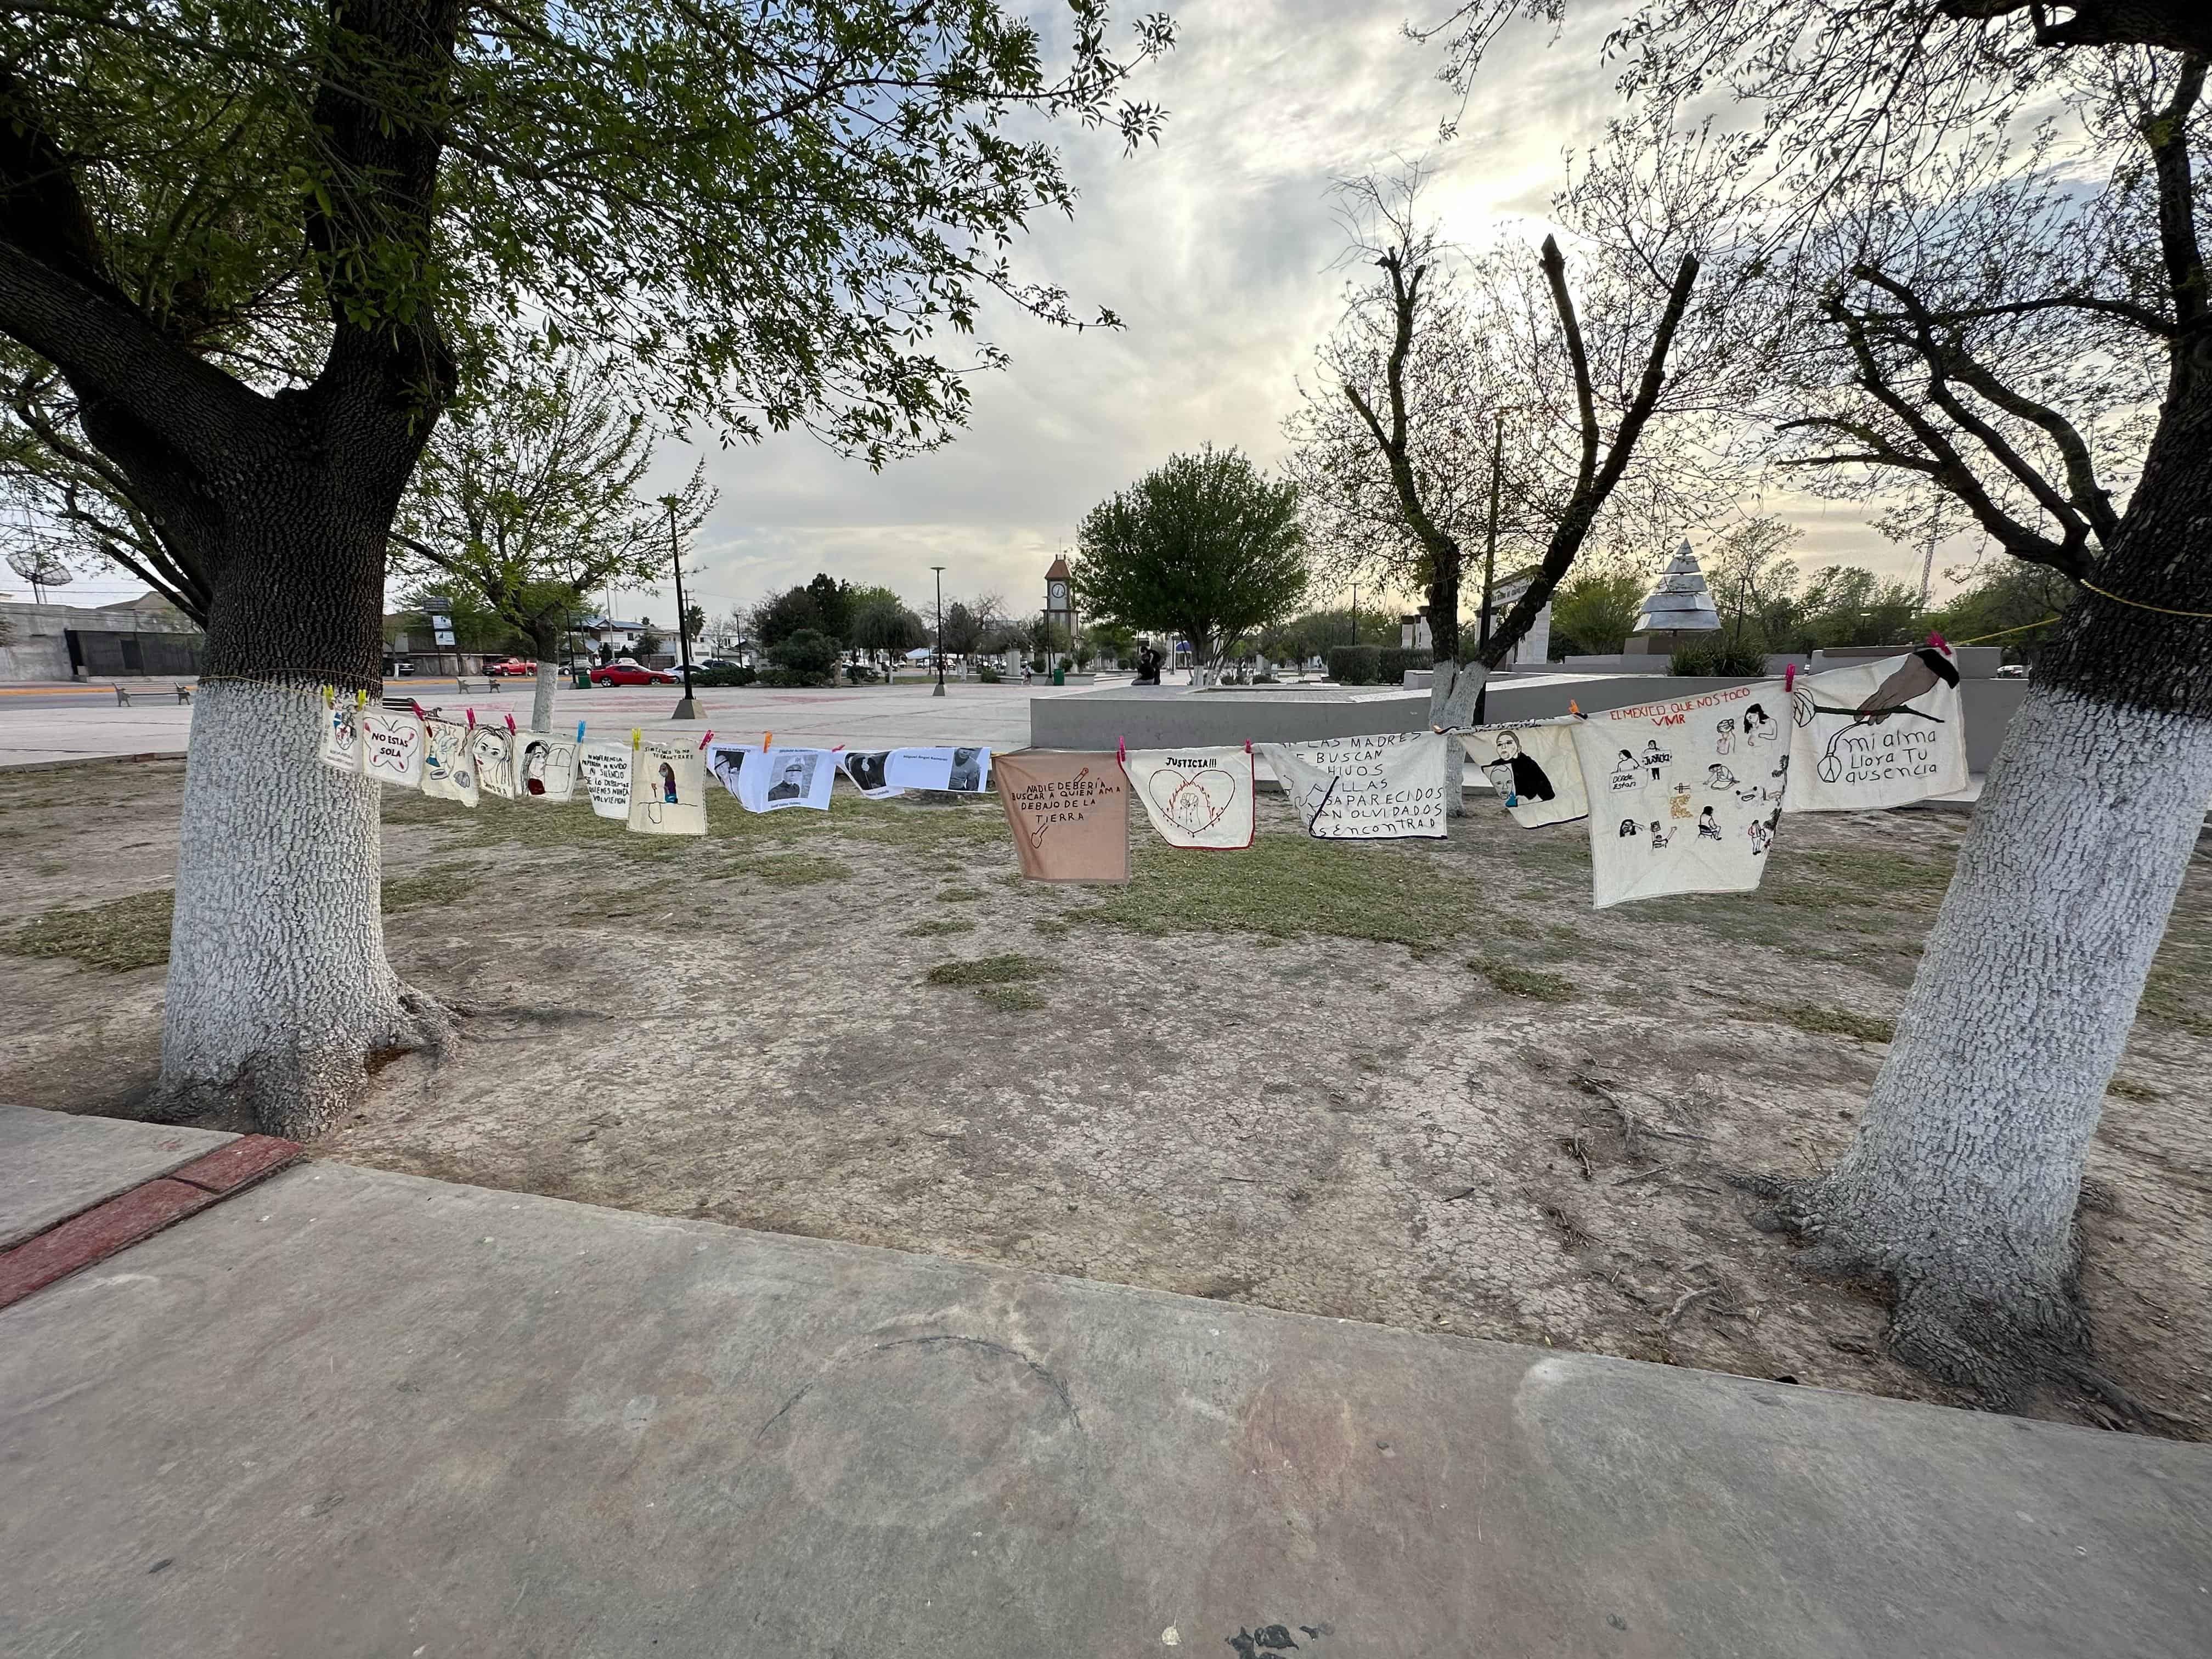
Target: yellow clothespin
636, 737
360, 698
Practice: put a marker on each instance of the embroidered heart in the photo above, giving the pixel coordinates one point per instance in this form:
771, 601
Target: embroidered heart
1195, 801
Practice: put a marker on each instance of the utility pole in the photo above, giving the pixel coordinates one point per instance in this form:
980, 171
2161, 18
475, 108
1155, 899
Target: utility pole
940, 569
687, 709
1490, 547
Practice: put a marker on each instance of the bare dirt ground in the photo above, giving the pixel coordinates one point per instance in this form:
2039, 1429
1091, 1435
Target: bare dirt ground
1390, 1082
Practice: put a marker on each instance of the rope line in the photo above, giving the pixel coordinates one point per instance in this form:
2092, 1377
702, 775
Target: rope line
2163, 610
2002, 632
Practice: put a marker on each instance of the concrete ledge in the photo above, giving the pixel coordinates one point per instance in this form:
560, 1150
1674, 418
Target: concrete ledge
55, 1164
1169, 716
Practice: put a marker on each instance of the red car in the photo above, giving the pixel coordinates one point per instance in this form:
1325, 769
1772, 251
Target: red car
512, 668
626, 673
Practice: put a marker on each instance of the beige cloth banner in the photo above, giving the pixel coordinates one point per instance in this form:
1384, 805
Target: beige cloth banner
1069, 812
448, 773
1200, 798
1534, 768
1875, 734
668, 789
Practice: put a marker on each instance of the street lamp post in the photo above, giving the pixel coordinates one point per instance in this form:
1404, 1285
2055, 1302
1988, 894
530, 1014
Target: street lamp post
940, 569
688, 709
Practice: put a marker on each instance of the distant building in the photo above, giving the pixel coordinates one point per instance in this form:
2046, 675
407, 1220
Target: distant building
1533, 649
127, 638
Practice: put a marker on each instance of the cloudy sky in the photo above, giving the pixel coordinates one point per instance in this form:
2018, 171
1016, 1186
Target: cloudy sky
1215, 249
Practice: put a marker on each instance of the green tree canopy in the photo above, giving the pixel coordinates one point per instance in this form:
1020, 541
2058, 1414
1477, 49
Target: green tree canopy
1203, 545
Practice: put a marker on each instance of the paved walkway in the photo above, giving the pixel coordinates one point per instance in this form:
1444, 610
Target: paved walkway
349, 1411
61, 724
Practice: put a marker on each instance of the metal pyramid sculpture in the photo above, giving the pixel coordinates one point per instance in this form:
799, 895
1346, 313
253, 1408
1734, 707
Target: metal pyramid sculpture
1680, 603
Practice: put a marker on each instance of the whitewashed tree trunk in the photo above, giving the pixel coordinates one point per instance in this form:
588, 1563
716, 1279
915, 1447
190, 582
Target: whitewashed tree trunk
1961, 1185
541, 701
1453, 687
279, 992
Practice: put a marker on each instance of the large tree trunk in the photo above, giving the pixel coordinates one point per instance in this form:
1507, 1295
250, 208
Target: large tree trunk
548, 681
1453, 689
279, 994
1962, 1184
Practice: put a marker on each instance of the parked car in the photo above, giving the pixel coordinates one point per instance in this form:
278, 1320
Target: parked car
624, 672
512, 668
2013, 671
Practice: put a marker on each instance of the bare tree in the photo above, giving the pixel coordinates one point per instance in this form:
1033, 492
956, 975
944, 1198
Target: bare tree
2039, 349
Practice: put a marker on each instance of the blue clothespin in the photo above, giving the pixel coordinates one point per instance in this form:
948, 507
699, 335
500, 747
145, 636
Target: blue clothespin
579, 730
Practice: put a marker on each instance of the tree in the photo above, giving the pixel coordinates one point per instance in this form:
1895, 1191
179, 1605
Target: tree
248, 237
1967, 321
972, 625
882, 626
2012, 603
694, 623
1748, 569
1203, 545
1594, 612
1416, 423
527, 494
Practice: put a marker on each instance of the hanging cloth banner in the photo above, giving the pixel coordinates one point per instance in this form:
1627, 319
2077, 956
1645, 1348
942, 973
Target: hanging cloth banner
1199, 798
668, 789
1676, 805
775, 778
1534, 768
880, 774
341, 740
1876, 734
606, 768
392, 747
545, 766
492, 749
726, 761
1069, 812
448, 773
1386, 787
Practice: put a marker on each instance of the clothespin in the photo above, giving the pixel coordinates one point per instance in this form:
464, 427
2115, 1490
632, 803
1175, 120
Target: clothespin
1573, 708
636, 737
1248, 745
1120, 749
579, 730
1937, 640
417, 707
360, 698
709, 738
510, 726
472, 719
1788, 677
765, 736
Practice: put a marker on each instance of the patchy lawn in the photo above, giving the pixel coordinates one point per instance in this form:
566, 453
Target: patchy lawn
1419, 1083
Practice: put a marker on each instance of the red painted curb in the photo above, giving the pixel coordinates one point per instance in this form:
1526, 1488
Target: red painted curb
240, 1163
100, 1231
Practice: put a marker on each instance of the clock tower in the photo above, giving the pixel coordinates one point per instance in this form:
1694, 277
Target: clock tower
1059, 605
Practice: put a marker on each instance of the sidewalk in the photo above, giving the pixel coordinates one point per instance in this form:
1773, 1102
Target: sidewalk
349, 1411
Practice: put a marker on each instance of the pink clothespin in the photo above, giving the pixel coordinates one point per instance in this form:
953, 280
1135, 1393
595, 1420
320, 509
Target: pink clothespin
1120, 749
1937, 640
1788, 677
472, 719
709, 738
510, 726
417, 707
1248, 745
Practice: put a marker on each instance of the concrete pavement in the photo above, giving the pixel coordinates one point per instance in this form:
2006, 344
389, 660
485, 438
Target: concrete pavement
354, 1413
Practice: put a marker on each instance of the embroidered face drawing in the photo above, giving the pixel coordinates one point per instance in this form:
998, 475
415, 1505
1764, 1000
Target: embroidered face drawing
1761, 837
1628, 829
1659, 837
1623, 771
1759, 726
1654, 758
1707, 829
534, 756
1719, 777
667, 783
1529, 780
1724, 738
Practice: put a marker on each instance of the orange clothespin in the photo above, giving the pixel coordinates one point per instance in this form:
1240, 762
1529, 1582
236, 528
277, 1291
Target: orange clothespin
1573, 708
765, 736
